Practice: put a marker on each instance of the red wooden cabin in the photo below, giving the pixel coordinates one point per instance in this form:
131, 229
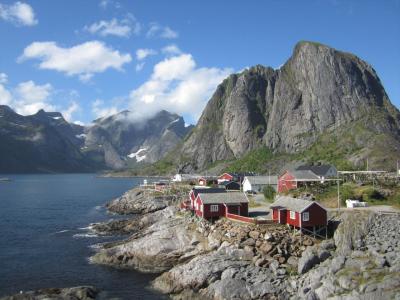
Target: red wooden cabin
195, 191
299, 213
225, 177
216, 205
293, 179
208, 180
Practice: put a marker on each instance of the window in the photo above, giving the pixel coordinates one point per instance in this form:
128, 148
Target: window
202, 208
292, 215
214, 208
306, 216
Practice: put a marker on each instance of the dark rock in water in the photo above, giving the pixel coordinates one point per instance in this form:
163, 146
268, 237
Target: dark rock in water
74, 293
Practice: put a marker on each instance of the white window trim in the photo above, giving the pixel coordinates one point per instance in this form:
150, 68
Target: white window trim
292, 215
306, 216
214, 208
202, 208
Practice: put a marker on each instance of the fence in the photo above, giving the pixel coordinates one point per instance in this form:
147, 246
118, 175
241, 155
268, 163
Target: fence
247, 219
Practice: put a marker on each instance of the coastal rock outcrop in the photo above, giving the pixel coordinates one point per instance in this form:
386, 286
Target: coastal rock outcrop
365, 265
74, 293
136, 201
158, 248
231, 260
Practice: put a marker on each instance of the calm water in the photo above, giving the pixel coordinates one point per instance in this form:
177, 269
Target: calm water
42, 243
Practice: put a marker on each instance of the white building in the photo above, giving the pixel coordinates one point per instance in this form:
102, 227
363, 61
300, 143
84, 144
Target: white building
258, 183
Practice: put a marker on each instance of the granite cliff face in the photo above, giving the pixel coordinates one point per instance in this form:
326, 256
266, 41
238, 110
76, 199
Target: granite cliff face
319, 91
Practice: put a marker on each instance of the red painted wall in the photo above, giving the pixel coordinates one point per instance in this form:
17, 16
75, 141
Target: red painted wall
318, 216
285, 184
275, 215
209, 214
225, 176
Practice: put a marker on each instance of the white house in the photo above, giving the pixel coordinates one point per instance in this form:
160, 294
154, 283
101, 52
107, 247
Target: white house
258, 183
185, 177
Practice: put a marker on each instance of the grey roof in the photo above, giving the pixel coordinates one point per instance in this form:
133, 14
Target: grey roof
304, 175
262, 179
220, 198
293, 204
319, 170
205, 190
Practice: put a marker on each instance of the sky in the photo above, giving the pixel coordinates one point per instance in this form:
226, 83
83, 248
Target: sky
90, 59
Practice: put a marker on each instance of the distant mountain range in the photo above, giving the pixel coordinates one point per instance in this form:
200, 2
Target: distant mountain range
321, 105
46, 142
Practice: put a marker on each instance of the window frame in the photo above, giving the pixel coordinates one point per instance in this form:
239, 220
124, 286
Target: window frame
306, 213
292, 215
214, 208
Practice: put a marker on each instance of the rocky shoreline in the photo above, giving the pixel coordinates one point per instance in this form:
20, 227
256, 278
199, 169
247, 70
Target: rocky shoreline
74, 293
226, 260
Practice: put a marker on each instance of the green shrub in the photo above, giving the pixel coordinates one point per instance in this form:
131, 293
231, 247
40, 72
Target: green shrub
269, 193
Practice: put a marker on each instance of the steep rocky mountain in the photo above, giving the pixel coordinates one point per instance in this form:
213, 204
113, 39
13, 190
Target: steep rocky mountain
43, 142
122, 142
321, 104
46, 142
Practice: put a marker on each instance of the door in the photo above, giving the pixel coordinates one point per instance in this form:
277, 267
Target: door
282, 216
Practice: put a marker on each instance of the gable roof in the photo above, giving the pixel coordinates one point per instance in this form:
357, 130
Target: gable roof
262, 179
319, 170
225, 183
293, 204
304, 175
221, 198
197, 191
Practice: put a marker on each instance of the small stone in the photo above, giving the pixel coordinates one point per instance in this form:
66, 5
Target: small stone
254, 234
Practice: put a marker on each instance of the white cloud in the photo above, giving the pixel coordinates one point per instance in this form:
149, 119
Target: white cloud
176, 85
3, 78
18, 13
70, 110
101, 111
143, 53
30, 97
104, 4
29, 92
5, 96
83, 60
171, 50
120, 28
156, 30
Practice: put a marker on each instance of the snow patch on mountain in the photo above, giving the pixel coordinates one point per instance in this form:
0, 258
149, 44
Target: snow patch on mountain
139, 157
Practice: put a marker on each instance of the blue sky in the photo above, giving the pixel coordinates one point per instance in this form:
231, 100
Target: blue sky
93, 58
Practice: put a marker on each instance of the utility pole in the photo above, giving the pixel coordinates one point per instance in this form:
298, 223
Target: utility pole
367, 163
338, 194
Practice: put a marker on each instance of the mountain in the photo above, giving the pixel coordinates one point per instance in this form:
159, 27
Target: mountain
322, 104
122, 142
46, 142
43, 142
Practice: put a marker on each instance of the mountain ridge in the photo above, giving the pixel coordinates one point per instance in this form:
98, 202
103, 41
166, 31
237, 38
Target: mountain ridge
46, 143
319, 90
